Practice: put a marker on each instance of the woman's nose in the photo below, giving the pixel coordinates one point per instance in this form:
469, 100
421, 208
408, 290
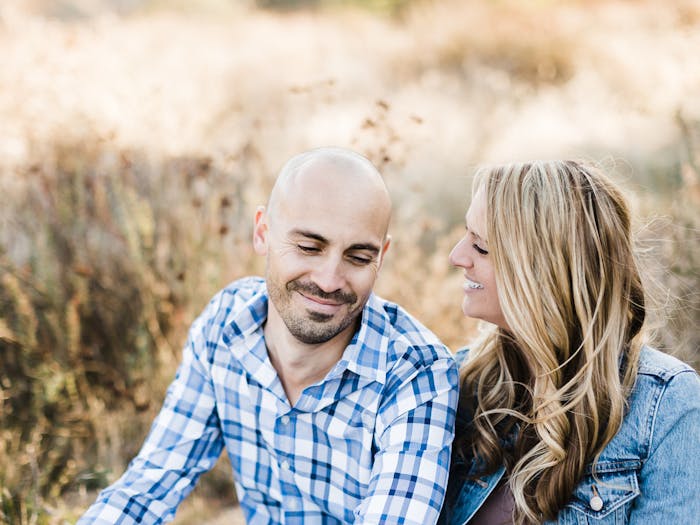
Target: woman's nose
459, 256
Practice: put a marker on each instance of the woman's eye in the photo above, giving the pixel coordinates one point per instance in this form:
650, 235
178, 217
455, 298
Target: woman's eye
480, 250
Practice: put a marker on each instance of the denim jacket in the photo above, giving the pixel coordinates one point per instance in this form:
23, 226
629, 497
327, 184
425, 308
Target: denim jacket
648, 474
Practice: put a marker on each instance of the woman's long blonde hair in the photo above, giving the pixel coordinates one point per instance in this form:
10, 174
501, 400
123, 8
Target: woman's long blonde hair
560, 237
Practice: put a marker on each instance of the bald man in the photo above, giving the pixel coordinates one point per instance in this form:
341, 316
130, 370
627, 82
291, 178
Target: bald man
334, 406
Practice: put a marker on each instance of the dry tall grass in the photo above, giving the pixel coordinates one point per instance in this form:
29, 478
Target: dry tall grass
136, 142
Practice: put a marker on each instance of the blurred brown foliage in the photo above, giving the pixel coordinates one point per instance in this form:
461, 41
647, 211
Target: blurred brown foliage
118, 254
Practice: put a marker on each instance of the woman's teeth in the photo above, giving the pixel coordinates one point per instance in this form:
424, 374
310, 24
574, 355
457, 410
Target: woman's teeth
473, 285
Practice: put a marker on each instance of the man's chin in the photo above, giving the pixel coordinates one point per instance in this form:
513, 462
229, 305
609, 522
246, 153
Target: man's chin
318, 327
319, 317
314, 338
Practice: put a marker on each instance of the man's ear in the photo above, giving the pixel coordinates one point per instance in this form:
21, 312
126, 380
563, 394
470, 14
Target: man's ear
260, 231
387, 242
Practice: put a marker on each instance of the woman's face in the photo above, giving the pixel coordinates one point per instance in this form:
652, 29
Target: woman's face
472, 255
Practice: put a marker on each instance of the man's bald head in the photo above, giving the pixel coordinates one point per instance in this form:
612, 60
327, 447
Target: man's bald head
333, 173
324, 236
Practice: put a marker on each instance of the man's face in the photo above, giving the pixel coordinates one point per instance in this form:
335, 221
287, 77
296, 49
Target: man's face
324, 247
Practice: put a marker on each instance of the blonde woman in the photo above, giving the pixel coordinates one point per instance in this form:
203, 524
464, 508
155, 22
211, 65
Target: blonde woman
565, 416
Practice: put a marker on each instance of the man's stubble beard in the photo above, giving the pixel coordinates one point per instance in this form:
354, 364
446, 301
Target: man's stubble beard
308, 326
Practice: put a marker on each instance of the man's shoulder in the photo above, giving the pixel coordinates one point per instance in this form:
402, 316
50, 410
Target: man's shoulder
245, 297
239, 291
406, 335
418, 366
245, 287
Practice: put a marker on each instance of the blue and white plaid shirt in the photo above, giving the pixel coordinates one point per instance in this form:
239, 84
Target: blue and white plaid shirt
368, 444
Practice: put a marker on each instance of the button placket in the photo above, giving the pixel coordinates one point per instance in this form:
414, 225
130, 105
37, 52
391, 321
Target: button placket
285, 442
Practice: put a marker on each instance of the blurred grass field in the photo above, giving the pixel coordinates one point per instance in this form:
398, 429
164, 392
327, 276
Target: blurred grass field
137, 137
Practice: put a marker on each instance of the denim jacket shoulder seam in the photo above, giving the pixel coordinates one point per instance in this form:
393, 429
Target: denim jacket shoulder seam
664, 386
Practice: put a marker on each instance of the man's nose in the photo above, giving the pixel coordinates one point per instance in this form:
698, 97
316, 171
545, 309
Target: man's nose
329, 275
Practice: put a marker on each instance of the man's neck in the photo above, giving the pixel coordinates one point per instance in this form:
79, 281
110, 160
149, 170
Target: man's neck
298, 364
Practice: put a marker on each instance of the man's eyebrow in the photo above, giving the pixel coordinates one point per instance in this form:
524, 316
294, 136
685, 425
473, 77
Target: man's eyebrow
309, 234
369, 247
366, 246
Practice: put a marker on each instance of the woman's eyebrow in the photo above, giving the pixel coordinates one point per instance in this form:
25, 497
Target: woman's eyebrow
479, 237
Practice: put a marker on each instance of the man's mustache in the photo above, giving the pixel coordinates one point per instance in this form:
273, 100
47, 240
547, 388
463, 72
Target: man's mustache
309, 288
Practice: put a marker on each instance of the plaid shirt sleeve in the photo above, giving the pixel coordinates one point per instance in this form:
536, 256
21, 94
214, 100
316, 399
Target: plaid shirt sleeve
414, 432
184, 442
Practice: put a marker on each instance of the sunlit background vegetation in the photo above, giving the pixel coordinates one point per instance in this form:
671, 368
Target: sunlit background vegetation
137, 137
